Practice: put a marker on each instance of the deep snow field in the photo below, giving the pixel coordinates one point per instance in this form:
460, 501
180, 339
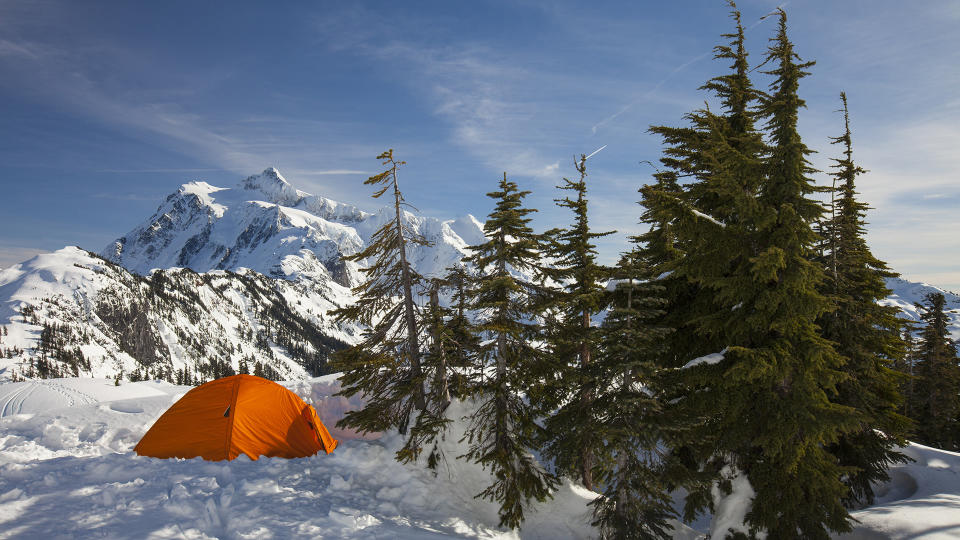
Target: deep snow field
67, 470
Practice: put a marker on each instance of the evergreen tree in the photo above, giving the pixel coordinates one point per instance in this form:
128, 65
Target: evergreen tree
431, 422
906, 366
385, 366
866, 333
702, 231
779, 376
636, 502
703, 236
765, 408
503, 429
936, 407
463, 340
573, 339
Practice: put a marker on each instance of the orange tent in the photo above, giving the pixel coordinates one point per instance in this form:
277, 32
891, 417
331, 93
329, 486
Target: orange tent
237, 415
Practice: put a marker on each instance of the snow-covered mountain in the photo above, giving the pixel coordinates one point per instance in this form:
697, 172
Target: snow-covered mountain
906, 294
265, 224
215, 277
73, 313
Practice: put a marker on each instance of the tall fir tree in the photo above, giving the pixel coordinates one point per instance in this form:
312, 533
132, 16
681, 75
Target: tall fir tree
703, 237
573, 338
765, 409
936, 407
867, 334
502, 430
636, 502
780, 375
385, 365
463, 341
710, 221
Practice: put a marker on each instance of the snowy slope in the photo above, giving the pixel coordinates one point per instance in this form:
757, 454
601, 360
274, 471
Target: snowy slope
922, 499
72, 313
906, 294
70, 472
267, 254
67, 470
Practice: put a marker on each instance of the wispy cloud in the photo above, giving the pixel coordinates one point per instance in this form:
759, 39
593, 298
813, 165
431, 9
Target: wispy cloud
912, 187
151, 171
499, 107
330, 172
22, 49
648, 94
93, 78
125, 197
11, 255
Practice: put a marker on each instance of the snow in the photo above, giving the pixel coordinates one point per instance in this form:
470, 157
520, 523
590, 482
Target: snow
264, 220
47, 394
469, 229
906, 294
709, 218
67, 470
731, 508
922, 499
69, 289
710, 359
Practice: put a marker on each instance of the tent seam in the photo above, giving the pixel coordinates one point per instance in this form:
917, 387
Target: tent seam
233, 417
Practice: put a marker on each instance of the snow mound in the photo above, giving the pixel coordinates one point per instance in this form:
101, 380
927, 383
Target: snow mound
67, 470
70, 471
921, 500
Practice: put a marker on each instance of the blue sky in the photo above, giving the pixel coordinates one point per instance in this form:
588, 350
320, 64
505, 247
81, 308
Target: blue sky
107, 107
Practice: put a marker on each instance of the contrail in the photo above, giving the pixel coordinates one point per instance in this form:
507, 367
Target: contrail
761, 19
647, 94
595, 152
669, 76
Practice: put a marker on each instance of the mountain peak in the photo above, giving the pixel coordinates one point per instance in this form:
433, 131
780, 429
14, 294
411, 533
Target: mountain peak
274, 173
272, 184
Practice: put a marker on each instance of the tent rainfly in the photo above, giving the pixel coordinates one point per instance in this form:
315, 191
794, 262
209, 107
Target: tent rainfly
237, 415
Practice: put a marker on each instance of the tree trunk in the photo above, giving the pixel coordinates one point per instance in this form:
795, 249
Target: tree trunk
443, 385
413, 346
586, 399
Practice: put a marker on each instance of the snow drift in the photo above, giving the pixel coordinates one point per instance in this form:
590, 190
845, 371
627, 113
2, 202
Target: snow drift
67, 470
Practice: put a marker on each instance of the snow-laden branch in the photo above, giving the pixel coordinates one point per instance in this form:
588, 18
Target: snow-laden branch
710, 359
707, 217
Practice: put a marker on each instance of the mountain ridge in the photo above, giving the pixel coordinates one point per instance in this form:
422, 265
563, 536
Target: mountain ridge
218, 276
263, 221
